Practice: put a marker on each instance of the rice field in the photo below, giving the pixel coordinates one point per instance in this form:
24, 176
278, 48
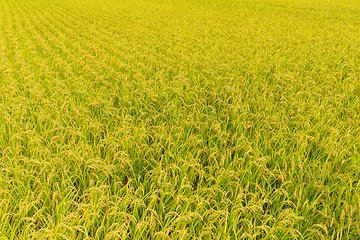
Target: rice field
186, 119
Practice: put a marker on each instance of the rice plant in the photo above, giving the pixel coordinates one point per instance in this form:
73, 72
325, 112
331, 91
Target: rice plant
187, 119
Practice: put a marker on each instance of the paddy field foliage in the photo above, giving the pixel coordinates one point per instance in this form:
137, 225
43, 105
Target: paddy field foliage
187, 119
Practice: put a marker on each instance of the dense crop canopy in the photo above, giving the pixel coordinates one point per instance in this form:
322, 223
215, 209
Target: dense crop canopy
179, 119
